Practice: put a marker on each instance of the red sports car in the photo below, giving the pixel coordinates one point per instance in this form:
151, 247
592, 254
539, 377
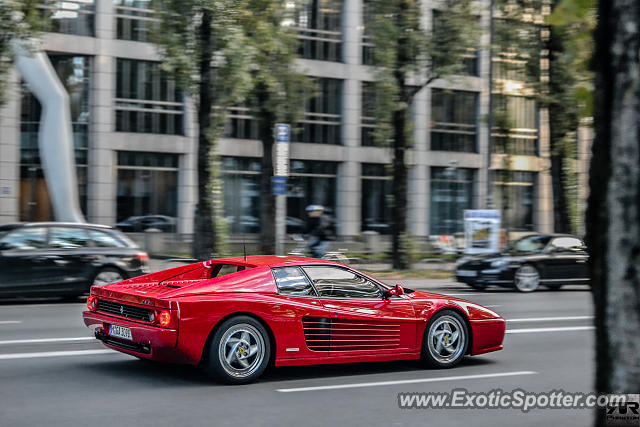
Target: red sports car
234, 316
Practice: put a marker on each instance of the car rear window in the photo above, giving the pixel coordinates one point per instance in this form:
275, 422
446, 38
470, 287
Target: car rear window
105, 240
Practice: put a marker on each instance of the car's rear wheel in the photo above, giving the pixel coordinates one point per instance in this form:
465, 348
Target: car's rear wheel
106, 276
446, 340
239, 351
527, 278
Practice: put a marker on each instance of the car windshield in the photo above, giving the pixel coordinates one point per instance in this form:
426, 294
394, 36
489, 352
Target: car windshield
530, 244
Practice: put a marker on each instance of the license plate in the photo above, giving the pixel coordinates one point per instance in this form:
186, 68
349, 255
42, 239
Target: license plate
467, 273
120, 332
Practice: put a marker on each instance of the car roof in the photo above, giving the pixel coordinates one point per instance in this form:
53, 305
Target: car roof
269, 260
15, 225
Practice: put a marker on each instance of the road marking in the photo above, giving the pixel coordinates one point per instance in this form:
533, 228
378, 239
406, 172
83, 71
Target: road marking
566, 329
9, 322
549, 319
54, 354
413, 381
46, 340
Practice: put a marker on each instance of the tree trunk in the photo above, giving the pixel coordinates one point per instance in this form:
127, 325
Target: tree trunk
204, 233
266, 122
613, 216
563, 119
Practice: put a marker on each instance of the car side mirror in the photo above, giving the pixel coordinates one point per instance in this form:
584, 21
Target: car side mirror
397, 290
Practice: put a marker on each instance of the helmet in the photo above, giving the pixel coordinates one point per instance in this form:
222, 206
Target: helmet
314, 208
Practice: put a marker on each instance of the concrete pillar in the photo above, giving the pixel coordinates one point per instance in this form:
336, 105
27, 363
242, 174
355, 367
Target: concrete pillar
10, 152
102, 171
544, 203
418, 217
484, 136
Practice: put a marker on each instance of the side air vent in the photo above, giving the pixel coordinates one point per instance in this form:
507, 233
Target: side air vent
327, 334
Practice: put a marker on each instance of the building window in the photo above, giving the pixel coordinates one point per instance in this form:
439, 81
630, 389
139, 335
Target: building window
319, 29
134, 19
146, 99
514, 195
322, 114
368, 117
73, 72
518, 132
72, 17
451, 193
366, 42
376, 195
310, 183
147, 184
453, 120
241, 124
241, 187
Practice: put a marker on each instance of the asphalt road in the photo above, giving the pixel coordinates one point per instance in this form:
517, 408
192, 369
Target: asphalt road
53, 373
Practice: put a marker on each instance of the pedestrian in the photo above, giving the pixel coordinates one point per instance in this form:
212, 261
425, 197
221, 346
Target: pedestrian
319, 229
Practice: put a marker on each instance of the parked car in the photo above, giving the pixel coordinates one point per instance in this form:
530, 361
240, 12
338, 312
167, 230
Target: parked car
136, 224
235, 316
64, 259
552, 260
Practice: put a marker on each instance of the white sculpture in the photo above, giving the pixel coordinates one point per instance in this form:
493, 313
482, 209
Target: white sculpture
55, 136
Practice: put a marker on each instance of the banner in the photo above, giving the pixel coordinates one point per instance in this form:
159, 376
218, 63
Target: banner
481, 231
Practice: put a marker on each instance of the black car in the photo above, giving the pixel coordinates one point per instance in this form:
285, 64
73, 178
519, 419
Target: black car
64, 259
137, 224
552, 260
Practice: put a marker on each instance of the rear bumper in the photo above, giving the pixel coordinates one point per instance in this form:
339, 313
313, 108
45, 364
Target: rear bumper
149, 342
499, 277
487, 335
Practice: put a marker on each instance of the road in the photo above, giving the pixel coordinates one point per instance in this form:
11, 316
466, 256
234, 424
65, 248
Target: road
53, 373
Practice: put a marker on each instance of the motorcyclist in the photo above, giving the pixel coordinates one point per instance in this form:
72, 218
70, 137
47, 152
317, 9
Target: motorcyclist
319, 228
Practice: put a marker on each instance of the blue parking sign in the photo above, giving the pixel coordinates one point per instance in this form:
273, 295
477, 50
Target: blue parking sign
279, 185
283, 132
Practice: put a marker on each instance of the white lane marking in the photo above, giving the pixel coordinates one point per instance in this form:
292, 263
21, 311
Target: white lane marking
549, 319
46, 340
54, 354
413, 381
9, 322
535, 330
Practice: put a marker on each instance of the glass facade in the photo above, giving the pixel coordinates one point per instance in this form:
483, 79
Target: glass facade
310, 183
320, 29
452, 192
376, 198
240, 124
521, 137
147, 184
322, 114
75, 17
514, 194
133, 20
368, 117
470, 58
241, 186
454, 120
146, 99
74, 72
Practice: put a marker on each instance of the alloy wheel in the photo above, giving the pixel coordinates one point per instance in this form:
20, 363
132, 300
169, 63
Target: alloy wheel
241, 350
447, 339
527, 278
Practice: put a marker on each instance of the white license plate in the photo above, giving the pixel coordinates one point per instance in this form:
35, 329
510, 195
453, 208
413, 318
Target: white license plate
120, 332
467, 273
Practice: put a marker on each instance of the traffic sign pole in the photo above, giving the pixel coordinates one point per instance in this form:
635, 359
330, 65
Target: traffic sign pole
282, 134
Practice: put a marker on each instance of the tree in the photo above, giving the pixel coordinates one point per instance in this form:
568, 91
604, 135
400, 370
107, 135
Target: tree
613, 215
205, 48
19, 20
276, 93
407, 59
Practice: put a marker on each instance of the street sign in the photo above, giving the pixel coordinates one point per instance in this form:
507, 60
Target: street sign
282, 137
279, 185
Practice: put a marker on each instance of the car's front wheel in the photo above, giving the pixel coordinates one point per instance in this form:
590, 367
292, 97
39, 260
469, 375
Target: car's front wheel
239, 351
527, 278
106, 276
446, 340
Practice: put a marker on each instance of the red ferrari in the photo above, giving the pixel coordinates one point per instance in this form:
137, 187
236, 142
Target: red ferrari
235, 316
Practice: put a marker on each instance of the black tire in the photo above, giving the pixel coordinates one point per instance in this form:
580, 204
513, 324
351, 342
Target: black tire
229, 339
106, 272
553, 287
478, 286
527, 278
430, 353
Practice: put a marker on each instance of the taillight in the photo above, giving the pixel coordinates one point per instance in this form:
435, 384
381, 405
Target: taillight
92, 303
164, 319
142, 256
